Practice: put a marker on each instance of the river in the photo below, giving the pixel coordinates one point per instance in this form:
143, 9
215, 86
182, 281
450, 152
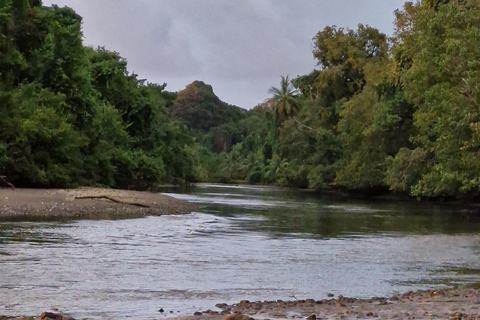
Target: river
244, 243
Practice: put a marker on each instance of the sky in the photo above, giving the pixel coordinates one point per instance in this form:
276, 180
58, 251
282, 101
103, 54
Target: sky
240, 47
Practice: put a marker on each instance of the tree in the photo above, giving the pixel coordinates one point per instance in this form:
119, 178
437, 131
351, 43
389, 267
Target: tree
342, 55
374, 124
42, 147
441, 80
284, 100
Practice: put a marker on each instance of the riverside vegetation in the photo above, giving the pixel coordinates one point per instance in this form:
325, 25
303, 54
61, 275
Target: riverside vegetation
378, 114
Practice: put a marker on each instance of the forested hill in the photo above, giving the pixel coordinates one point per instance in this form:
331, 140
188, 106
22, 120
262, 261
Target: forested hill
200, 109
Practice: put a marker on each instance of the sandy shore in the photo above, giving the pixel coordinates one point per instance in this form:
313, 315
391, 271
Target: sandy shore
75, 204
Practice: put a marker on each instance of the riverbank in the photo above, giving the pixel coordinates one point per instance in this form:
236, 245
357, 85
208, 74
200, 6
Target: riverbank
86, 202
450, 304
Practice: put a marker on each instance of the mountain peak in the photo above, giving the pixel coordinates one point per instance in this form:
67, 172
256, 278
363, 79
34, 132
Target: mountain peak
199, 108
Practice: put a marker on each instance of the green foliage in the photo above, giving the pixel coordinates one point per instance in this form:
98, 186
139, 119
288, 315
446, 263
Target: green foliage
371, 117
342, 55
284, 100
374, 124
136, 170
374, 117
42, 147
74, 115
442, 82
200, 109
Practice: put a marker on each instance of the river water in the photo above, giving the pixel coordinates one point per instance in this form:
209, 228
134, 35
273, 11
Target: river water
244, 243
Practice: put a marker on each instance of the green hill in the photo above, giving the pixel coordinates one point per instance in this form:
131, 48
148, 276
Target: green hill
200, 109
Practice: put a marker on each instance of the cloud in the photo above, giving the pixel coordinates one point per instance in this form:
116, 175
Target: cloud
239, 47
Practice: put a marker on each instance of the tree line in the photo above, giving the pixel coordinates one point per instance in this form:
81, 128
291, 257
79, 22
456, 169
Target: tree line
378, 113
73, 115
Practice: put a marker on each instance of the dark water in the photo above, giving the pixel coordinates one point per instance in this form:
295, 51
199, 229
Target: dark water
245, 243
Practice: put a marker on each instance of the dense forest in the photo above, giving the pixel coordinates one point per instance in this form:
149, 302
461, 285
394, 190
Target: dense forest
378, 114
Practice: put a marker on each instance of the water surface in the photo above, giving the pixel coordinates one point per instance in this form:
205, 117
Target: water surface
244, 243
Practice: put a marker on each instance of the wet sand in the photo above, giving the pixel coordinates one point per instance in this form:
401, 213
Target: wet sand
75, 204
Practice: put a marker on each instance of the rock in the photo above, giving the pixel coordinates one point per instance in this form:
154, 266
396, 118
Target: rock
312, 317
210, 312
51, 315
197, 313
232, 316
330, 295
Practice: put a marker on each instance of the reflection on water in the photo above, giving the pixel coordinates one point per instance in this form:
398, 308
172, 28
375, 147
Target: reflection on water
244, 243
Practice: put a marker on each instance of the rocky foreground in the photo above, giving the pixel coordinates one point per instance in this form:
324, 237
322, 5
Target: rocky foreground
450, 304
86, 202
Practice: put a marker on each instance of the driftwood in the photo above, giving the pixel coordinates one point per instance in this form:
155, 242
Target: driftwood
114, 200
4, 182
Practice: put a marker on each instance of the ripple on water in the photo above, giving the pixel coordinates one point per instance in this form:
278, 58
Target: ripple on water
227, 252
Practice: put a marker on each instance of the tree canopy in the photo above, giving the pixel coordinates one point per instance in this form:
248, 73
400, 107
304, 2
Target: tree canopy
74, 115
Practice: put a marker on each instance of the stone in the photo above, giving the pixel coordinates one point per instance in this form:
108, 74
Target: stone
210, 312
51, 315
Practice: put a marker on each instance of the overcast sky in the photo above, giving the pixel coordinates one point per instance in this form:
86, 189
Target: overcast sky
240, 47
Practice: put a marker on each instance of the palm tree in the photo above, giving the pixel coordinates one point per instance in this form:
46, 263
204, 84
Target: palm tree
285, 103
253, 161
274, 168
